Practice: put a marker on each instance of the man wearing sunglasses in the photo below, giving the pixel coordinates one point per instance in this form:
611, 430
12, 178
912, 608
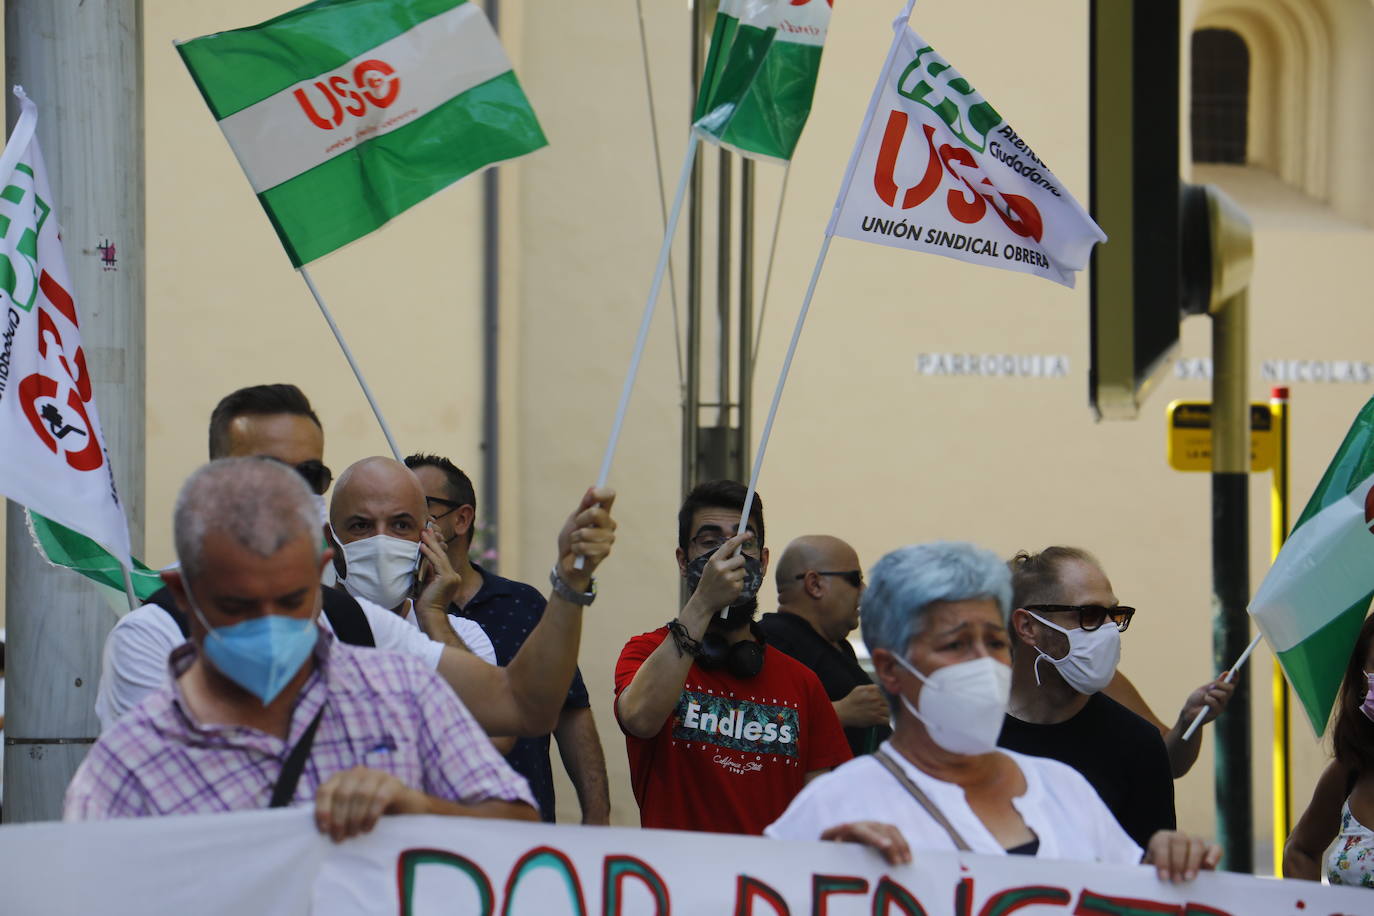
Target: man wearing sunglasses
1066, 627
819, 584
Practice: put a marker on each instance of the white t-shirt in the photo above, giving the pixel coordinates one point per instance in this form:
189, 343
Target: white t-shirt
469, 631
1059, 806
134, 662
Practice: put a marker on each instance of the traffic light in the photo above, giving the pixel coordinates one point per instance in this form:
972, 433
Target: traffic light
1136, 282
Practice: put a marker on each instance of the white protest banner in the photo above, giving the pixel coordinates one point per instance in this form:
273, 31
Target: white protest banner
270, 862
54, 459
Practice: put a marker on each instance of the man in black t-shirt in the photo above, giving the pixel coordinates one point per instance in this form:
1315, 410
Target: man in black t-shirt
1066, 629
819, 584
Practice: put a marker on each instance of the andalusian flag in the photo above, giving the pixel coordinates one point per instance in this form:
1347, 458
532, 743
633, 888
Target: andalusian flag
1314, 599
346, 113
760, 75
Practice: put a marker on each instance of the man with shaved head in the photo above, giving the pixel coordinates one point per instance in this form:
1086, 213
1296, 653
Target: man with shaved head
264, 708
819, 584
378, 519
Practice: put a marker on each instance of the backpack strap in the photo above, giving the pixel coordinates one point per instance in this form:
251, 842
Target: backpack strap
348, 618
285, 788
921, 798
163, 599
345, 615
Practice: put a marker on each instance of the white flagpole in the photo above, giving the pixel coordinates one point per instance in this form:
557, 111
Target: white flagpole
1230, 676
353, 363
897, 26
129, 586
688, 159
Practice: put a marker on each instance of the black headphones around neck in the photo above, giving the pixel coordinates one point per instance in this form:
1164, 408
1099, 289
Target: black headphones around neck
743, 659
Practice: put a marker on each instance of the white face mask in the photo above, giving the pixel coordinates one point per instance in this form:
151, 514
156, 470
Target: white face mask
1092, 658
963, 705
381, 569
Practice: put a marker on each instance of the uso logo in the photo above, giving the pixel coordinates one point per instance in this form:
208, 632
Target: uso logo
968, 204
374, 83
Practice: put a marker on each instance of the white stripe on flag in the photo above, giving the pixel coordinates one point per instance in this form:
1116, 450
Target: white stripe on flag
276, 139
1321, 572
804, 25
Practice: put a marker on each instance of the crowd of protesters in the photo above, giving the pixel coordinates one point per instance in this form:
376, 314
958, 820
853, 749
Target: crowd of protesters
349, 655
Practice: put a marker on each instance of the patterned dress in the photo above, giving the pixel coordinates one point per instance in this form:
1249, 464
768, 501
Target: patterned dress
1351, 860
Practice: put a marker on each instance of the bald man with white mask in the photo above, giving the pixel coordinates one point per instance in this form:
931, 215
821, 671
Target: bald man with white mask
819, 585
389, 555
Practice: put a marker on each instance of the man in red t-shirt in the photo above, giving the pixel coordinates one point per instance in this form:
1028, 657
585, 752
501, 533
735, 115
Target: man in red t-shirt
721, 729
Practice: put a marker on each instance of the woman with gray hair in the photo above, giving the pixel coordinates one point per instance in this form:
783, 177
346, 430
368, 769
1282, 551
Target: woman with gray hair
934, 619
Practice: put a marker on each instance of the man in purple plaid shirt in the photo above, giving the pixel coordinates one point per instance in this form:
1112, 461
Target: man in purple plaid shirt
259, 678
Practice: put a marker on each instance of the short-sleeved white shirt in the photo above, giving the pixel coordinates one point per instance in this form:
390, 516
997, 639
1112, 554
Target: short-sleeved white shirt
134, 662
1059, 806
469, 631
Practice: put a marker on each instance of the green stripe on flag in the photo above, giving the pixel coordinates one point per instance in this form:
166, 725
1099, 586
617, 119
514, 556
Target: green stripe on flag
1316, 665
1354, 462
236, 69
64, 547
770, 118
356, 192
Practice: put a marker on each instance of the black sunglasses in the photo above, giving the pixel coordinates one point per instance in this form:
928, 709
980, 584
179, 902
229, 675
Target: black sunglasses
1090, 616
854, 577
316, 474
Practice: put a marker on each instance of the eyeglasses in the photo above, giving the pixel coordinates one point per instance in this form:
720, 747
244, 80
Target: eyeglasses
1090, 616
710, 540
854, 577
450, 505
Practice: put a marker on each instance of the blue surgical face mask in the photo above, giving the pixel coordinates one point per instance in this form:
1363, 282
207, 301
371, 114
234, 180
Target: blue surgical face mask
261, 654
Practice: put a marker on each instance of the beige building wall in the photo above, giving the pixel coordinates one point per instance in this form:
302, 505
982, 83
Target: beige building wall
868, 446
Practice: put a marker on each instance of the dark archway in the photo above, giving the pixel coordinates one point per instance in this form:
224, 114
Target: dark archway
1220, 95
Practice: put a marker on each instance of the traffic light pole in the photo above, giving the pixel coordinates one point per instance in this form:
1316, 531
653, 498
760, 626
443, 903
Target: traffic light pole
1231, 575
1225, 289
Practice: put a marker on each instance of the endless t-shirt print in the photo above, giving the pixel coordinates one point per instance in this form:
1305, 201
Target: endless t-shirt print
740, 725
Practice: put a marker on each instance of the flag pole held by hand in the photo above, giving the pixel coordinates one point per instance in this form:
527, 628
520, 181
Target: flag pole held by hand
665, 250
1226, 679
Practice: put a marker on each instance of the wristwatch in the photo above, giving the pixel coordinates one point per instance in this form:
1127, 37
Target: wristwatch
568, 593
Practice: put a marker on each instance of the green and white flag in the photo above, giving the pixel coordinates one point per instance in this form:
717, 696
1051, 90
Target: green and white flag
760, 75
346, 113
1313, 601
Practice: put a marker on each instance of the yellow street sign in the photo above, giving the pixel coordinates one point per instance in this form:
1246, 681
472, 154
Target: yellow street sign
1190, 436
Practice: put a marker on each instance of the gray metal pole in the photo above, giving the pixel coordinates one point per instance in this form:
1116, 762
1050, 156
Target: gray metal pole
692, 396
746, 308
491, 339
724, 215
82, 64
